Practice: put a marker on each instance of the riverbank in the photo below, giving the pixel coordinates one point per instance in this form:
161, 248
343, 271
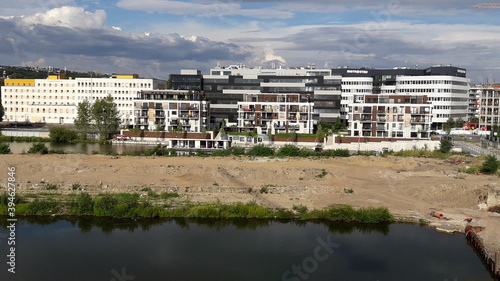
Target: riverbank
409, 187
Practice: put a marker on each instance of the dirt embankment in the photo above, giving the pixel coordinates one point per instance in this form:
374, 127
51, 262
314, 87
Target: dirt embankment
408, 186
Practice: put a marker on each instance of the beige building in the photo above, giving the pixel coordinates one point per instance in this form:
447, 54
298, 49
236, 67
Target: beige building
54, 100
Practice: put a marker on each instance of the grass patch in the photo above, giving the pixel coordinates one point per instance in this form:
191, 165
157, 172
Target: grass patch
322, 174
347, 213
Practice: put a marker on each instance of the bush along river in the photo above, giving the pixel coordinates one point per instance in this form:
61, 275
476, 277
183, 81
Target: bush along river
106, 240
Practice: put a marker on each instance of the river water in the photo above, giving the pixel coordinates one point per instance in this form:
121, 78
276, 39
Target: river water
51, 249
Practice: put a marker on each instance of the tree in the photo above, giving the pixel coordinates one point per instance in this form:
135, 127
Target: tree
445, 145
5, 148
338, 124
83, 119
449, 125
491, 165
106, 117
62, 134
459, 123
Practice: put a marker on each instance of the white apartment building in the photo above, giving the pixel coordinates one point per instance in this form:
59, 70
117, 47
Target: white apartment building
353, 91
449, 95
276, 113
170, 110
54, 100
489, 106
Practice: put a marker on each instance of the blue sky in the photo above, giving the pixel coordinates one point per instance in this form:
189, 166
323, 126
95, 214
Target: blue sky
157, 37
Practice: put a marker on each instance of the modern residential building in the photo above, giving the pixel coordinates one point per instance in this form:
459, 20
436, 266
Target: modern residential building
333, 90
169, 110
276, 113
54, 100
489, 106
390, 116
446, 87
225, 87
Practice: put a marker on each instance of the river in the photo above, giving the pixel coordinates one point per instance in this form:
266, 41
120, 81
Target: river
50, 249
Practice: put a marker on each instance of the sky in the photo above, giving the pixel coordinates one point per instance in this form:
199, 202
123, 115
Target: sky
155, 38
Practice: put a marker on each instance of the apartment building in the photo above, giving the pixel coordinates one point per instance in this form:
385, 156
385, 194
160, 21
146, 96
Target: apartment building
489, 106
169, 110
225, 87
54, 100
276, 113
390, 116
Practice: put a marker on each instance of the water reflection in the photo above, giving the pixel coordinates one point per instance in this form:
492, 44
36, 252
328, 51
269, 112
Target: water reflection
108, 225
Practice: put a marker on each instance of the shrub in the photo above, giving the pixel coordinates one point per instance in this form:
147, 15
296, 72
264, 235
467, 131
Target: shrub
222, 153
289, 150
51, 186
300, 209
62, 134
38, 148
5, 149
261, 150
104, 205
236, 151
168, 195
445, 146
490, 165
83, 205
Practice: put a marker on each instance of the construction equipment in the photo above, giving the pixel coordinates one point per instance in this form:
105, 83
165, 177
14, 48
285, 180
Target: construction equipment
488, 6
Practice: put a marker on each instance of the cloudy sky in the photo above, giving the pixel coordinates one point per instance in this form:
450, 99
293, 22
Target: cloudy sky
157, 37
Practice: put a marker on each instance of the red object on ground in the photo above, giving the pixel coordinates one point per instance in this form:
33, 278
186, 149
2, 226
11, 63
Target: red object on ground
468, 219
437, 215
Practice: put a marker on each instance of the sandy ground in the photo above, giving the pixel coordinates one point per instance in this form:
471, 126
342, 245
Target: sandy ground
408, 186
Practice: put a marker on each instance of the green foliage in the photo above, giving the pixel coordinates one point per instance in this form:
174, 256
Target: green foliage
338, 153
347, 213
289, 150
168, 195
50, 186
322, 174
104, 205
83, 119
490, 165
450, 123
83, 205
222, 153
261, 150
445, 146
62, 134
41, 207
161, 151
237, 151
106, 117
5, 148
38, 148
300, 209
459, 123
348, 190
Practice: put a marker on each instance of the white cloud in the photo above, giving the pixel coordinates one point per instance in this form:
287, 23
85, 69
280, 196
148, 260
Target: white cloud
72, 17
29, 7
40, 63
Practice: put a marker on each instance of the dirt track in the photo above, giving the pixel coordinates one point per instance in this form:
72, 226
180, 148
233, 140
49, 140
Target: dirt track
408, 186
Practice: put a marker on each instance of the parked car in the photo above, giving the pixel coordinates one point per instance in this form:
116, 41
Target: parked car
122, 137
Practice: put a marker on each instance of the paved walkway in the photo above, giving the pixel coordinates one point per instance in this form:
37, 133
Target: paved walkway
476, 149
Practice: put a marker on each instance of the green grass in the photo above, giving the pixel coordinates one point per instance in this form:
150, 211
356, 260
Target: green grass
347, 213
125, 205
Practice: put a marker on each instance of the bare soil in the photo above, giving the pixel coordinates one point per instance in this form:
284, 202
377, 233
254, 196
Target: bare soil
411, 187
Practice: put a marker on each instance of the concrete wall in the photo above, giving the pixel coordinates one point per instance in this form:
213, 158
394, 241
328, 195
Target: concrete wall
25, 133
380, 146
